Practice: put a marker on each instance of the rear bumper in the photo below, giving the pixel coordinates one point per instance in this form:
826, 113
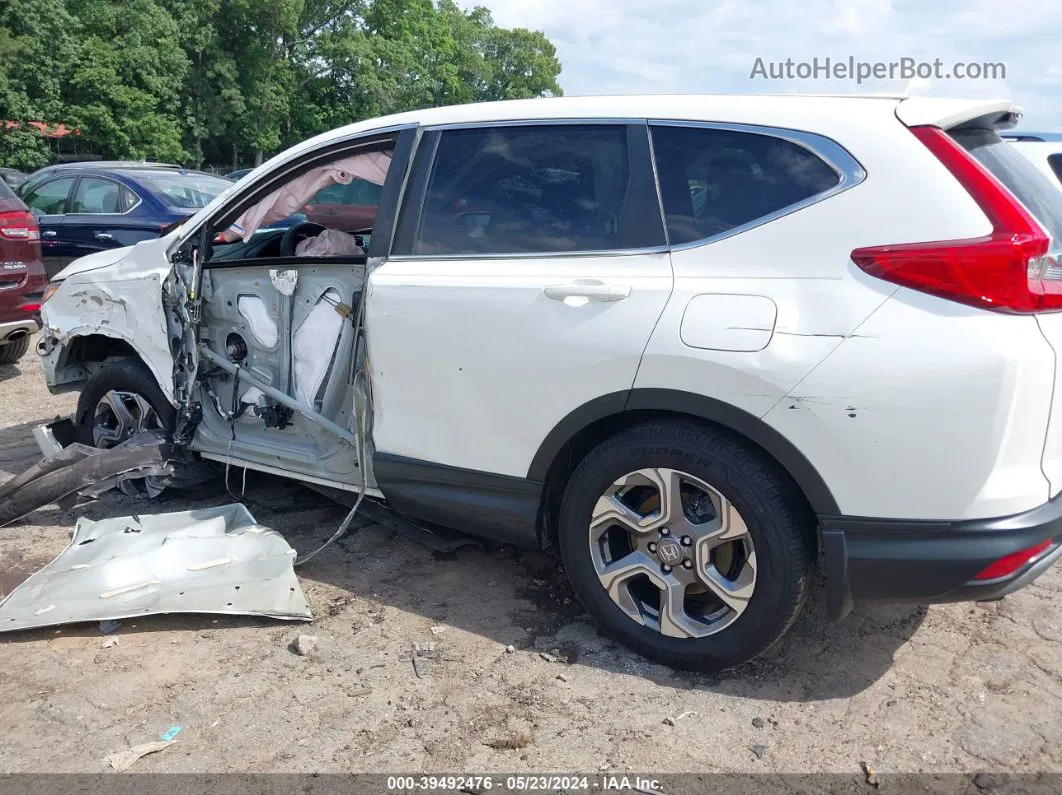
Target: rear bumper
886, 560
13, 329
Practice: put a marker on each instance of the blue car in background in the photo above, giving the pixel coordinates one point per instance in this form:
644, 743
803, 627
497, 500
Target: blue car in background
83, 209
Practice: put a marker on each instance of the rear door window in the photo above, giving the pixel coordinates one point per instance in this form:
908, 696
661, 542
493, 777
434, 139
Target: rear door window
99, 196
1031, 186
530, 189
716, 180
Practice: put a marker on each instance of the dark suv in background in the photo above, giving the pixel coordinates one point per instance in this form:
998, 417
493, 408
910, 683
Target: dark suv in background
22, 278
82, 208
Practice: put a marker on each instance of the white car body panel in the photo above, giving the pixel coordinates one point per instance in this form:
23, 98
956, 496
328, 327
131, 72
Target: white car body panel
472, 366
116, 294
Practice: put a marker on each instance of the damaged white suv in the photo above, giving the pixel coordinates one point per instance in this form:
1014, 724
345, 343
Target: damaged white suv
691, 343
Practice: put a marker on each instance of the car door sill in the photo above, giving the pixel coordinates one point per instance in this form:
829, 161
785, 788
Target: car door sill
498, 507
287, 473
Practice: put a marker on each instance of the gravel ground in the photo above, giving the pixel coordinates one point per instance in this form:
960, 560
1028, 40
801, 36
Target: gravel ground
957, 688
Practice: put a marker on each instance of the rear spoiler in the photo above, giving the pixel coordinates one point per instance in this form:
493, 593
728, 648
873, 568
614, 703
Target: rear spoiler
995, 114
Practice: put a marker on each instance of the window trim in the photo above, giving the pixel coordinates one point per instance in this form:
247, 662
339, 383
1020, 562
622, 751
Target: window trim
66, 202
416, 195
849, 170
77, 186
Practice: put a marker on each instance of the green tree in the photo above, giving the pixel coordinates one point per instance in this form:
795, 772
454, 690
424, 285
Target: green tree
36, 47
234, 80
123, 89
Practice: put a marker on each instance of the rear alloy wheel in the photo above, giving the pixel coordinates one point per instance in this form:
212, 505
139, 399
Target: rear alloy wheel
673, 553
687, 544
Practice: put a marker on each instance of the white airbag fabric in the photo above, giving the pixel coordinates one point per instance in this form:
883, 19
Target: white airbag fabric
313, 345
291, 197
262, 325
330, 243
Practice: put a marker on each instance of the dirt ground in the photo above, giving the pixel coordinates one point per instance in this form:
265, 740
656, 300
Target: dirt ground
957, 688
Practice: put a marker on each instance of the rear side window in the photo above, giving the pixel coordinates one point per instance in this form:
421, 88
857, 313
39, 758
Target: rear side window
715, 180
5, 191
1055, 161
1031, 186
527, 189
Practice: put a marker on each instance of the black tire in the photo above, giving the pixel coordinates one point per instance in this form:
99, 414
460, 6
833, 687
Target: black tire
779, 521
126, 375
11, 352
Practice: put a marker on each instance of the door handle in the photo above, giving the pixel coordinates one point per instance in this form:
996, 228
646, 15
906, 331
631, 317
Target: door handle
48, 233
104, 237
590, 289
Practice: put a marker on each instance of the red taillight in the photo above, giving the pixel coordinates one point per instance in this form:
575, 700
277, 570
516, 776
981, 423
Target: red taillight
19, 225
33, 306
1012, 562
1008, 270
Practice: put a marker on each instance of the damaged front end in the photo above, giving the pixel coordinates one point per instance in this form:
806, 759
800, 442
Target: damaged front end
107, 306
116, 304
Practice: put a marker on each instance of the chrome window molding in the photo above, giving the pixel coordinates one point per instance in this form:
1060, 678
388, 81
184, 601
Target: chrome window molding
608, 252
849, 170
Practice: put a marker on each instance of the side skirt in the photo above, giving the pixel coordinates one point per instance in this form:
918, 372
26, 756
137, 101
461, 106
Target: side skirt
498, 507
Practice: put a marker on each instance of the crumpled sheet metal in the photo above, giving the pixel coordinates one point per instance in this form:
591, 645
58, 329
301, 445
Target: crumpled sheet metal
213, 560
89, 471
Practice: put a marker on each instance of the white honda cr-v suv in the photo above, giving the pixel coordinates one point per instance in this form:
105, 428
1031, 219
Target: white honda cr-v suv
692, 343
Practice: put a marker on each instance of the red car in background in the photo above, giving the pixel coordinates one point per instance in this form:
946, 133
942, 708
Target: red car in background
22, 279
349, 208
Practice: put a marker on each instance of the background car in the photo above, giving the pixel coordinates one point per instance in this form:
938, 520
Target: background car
13, 177
236, 176
41, 174
351, 206
84, 210
22, 278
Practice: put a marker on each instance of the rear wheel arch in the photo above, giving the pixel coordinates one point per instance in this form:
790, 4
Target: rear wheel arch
589, 425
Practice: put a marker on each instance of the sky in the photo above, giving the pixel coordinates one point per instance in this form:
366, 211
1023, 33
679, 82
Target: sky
711, 46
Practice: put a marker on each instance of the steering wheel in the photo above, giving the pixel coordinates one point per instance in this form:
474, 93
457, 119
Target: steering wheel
298, 232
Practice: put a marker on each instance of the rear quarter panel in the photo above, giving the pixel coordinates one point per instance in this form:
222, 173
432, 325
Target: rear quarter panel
908, 406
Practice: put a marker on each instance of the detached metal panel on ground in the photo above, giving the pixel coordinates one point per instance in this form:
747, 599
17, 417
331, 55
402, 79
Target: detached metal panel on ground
214, 560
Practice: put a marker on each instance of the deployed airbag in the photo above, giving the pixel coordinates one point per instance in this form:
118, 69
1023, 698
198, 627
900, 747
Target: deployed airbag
330, 243
292, 196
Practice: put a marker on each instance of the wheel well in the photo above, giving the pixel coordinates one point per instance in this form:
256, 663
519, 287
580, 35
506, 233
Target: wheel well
84, 356
576, 449
97, 348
